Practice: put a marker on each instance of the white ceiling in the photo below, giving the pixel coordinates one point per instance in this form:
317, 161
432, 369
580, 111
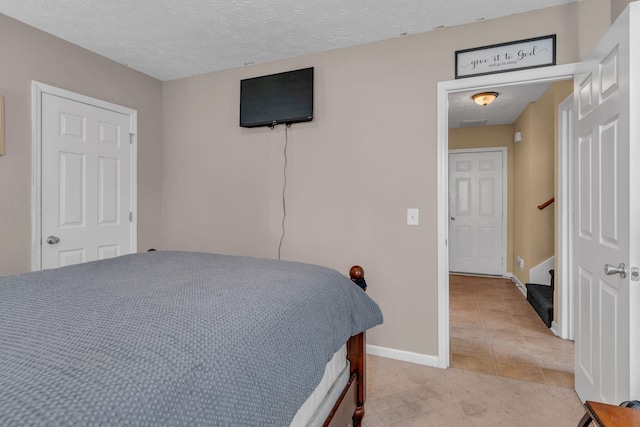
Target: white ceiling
171, 39
507, 107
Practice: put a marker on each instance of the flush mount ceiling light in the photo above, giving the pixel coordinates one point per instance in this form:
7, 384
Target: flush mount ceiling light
484, 98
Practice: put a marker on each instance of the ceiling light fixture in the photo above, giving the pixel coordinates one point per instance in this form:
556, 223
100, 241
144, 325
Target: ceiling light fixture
484, 98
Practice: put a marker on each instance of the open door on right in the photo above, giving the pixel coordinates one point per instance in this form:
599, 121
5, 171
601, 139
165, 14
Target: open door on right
606, 215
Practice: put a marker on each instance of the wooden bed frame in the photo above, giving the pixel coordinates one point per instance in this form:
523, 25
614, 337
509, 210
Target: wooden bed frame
350, 404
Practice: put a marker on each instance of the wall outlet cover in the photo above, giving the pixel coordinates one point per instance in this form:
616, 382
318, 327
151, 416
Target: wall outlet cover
412, 216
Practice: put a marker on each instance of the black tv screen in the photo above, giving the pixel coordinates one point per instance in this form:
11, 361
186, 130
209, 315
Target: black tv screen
277, 98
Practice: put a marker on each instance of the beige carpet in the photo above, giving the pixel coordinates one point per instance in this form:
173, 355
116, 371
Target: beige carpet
405, 394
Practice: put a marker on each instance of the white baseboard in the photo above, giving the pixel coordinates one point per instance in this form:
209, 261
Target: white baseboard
405, 356
518, 283
540, 273
554, 328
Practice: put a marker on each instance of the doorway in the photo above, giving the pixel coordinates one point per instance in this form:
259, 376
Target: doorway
84, 188
493, 328
548, 74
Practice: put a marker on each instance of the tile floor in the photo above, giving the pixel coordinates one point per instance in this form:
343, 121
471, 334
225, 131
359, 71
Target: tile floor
494, 330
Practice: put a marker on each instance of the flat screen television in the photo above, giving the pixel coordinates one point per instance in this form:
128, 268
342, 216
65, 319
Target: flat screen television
277, 98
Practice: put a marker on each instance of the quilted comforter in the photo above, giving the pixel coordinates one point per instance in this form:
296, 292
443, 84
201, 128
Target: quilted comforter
171, 338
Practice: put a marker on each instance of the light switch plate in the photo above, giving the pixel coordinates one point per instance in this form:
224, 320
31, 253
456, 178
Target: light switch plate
412, 216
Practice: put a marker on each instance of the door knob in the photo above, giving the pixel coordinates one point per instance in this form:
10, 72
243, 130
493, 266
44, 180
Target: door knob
453, 218
52, 240
610, 270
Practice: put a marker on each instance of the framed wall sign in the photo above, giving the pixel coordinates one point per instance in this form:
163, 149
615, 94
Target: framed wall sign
499, 58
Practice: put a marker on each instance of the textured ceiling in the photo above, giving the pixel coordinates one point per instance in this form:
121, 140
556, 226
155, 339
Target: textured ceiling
510, 103
170, 39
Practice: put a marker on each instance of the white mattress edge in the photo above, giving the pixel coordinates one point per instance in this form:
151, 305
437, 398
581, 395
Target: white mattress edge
332, 371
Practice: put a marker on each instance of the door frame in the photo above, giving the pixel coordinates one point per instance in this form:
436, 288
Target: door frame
37, 90
503, 152
564, 327
536, 75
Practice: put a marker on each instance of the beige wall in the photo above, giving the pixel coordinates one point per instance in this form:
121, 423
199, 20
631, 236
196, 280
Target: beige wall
489, 137
617, 6
369, 155
594, 19
534, 162
535, 179
29, 54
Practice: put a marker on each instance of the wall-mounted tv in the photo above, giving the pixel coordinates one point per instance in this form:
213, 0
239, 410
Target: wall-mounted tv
277, 98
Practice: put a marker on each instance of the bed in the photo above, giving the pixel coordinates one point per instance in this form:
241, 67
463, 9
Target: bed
182, 338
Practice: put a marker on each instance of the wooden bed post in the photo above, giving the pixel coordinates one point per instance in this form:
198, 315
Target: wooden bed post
357, 357
356, 352
350, 404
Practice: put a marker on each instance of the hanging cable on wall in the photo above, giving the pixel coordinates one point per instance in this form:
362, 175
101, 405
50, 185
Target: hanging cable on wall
284, 187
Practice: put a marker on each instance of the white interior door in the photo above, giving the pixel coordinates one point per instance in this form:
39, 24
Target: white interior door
86, 182
604, 199
476, 205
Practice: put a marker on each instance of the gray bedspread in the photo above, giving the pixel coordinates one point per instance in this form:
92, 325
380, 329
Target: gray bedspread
171, 338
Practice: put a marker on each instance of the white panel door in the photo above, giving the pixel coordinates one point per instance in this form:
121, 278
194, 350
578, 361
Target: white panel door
604, 198
476, 212
86, 182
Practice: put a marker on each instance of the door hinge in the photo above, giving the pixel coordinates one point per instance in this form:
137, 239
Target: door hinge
131, 135
130, 216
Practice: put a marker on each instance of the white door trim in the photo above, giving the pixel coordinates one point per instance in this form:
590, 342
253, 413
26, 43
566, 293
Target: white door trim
37, 89
502, 150
564, 275
549, 74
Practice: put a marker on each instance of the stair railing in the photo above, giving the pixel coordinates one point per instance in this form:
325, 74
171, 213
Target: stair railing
547, 203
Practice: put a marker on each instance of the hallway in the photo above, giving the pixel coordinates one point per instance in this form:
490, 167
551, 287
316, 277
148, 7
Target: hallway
494, 330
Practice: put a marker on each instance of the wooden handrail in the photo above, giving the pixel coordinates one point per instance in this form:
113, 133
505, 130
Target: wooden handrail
547, 203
